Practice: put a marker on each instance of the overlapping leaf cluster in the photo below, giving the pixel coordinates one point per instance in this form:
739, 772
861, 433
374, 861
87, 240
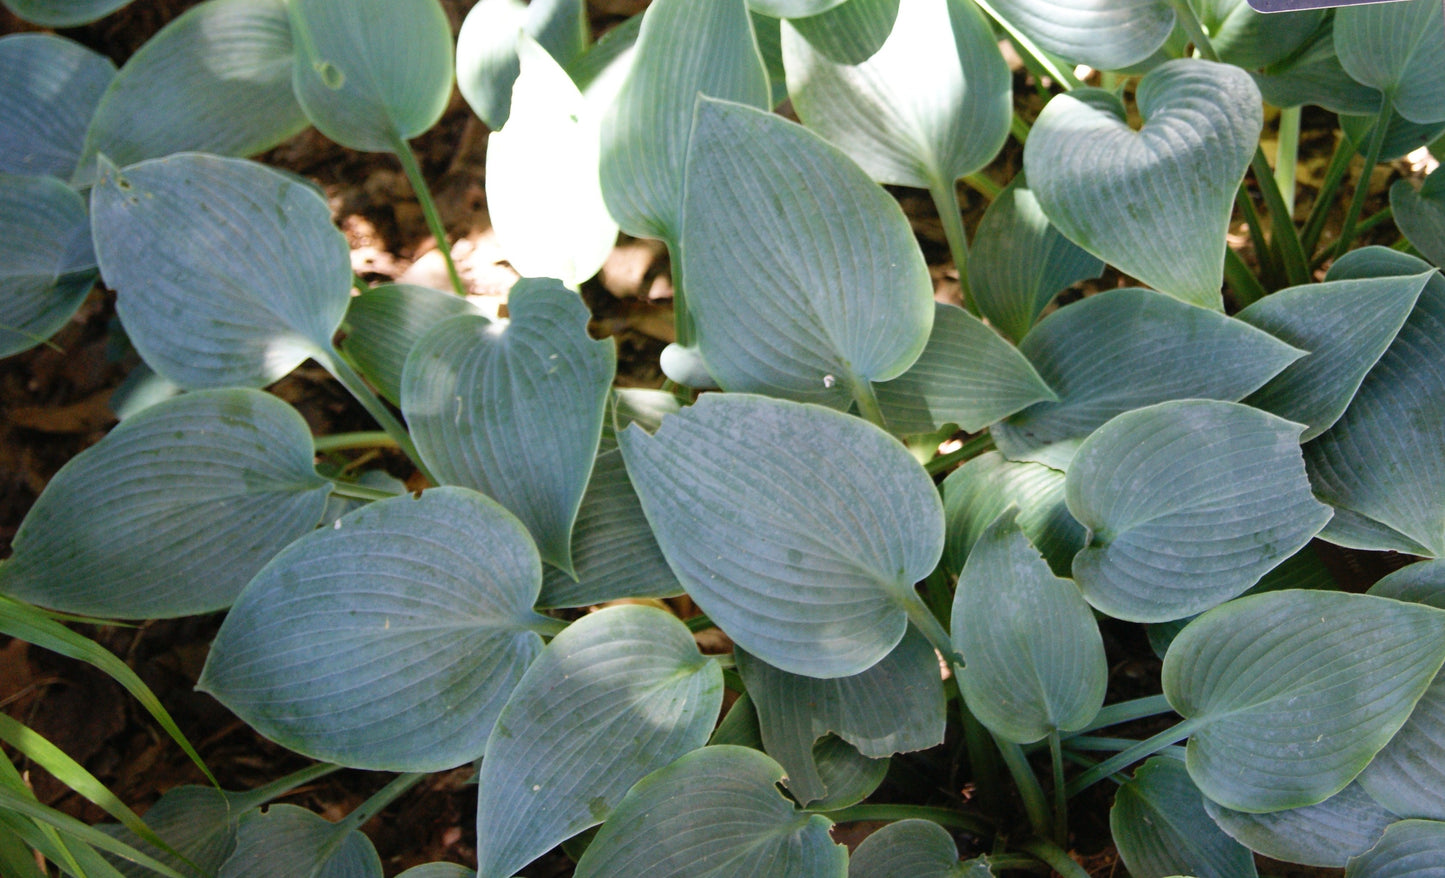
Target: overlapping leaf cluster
1142, 455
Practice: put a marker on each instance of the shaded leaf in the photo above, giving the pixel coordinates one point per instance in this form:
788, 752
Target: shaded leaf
1408, 849
804, 553
1327, 834
287, 840
1420, 215
384, 323
848, 776
1314, 76
1160, 827
1396, 48
792, 8
976, 493
312, 653
226, 272
48, 13
49, 87
199, 822
515, 409
1271, 735
1154, 202
618, 694
1246, 38
172, 512
49, 266
909, 849
715, 812
803, 276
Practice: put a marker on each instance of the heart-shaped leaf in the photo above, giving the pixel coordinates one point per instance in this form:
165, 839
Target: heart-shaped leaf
49, 87
371, 74
1346, 326
217, 80
1407, 776
384, 323
1033, 658
1104, 34
1020, 261
1396, 48
48, 13
515, 410
1160, 827
49, 266
487, 62
803, 276
543, 193
1327, 834
1269, 734
614, 553
1187, 504
1125, 349
309, 655
226, 272
975, 494
931, 105
685, 48
896, 706
913, 848
714, 813
1408, 849
1246, 38
198, 822
438, 870
802, 552
172, 512
1153, 202
619, 693
287, 840
1313, 75
1420, 215
1382, 465
966, 376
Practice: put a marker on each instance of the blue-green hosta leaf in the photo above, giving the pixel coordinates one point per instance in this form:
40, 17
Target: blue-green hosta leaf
931, 105
487, 63
1396, 48
803, 276
1188, 504
1382, 465
49, 87
1314, 76
636, 405
217, 80
804, 553
913, 849
896, 706
1420, 215
977, 492
1249, 39
371, 74
1033, 658
49, 266
792, 8
1154, 202
1346, 325
1408, 849
1402, 136
1327, 834
438, 870
618, 694
199, 822
384, 323
287, 840
1160, 827
543, 193
226, 272
515, 409
1104, 34
172, 512
714, 813
1271, 734
768, 32
1125, 349
614, 553
848, 776
311, 654
68, 13
966, 376
601, 70
686, 48
1408, 776
1020, 261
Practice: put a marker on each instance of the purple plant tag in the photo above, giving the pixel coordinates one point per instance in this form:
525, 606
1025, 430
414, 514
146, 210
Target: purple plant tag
1301, 5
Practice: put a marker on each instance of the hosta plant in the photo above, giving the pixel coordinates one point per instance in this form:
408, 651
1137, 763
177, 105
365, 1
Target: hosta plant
909, 517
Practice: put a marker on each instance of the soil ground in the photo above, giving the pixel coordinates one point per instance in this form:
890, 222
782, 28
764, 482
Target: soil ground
54, 403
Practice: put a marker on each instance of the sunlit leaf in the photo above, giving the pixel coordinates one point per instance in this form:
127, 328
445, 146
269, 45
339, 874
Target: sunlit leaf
1105, 34
487, 63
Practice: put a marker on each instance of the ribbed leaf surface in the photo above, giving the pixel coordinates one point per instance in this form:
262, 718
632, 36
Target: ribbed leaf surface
199, 822
384, 323
906, 849
1154, 202
1420, 215
805, 553
49, 87
1249, 39
49, 266
620, 693
48, 13
1396, 48
715, 813
1161, 829
1105, 34
1314, 76
487, 63
1408, 849
226, 272
287, 840
172, 512
803, 276
976, 493
1327, 834
1296, 691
